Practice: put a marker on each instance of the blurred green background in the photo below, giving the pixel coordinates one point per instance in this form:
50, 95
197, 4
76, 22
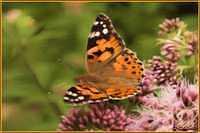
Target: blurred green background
44, 46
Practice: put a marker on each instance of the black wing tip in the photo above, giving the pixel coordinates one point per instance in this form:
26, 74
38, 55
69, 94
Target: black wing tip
102, 16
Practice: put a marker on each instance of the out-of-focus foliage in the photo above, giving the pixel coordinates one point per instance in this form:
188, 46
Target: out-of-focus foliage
44, 46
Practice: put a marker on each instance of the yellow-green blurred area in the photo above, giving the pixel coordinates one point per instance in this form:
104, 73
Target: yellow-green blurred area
44, 46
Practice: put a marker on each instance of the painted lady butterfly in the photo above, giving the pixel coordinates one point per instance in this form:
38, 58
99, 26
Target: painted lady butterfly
114, 71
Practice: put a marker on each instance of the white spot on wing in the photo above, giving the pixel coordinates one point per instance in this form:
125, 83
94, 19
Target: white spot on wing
91, 35
105, 31
105, 99
71, 100
96, 23
90, 101
104, 26
69, 92
97, 33
66, 98
76, 100
80, 97
101, 22
74, 94
84, 102
98, 101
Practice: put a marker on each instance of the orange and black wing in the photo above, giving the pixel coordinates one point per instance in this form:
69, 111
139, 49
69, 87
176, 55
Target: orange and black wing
124, 75
82, 94
104, 44
115, 72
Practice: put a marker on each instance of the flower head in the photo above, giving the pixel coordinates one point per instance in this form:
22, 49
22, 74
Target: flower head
148, 82
163, 71
109, 117
170, 50
100, 116
74, 120
187, 92
169, 25
169, 111
152, 120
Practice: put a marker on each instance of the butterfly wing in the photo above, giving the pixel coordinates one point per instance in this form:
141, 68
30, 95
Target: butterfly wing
87, 90
84, 93
108, 57
115, 72
124, 74
104, 44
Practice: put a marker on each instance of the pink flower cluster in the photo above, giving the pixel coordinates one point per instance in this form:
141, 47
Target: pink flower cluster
169, 25
163, 72
170, 50
174, 47
162, 113
101, 116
